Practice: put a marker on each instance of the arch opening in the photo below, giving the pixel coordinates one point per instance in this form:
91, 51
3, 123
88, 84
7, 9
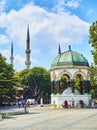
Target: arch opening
64, 82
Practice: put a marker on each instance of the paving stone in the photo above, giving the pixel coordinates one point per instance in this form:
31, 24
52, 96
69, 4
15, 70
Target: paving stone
46, 118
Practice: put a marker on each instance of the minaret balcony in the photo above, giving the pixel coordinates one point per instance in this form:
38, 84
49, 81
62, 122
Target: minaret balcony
28, 62
28, 51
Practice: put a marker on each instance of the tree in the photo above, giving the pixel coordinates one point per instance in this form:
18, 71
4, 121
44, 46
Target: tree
17, 79
93, 40
93, 80
38, 81
93, 69
6, 80
23, 77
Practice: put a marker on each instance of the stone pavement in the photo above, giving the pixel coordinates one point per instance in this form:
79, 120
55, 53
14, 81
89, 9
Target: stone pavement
46, 118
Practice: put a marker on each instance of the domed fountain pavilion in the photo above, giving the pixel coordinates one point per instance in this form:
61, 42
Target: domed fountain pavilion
71, 65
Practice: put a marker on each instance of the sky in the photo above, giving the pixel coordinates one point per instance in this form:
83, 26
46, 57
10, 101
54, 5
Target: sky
51, 22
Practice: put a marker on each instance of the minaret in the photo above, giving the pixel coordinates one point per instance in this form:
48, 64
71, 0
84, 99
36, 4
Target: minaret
28, 51
69, 47
11, 58
59, 50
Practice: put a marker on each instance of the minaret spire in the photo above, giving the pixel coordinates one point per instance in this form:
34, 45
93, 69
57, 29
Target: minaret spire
69, 47
59, 49
11, 58
28, 50
28, 38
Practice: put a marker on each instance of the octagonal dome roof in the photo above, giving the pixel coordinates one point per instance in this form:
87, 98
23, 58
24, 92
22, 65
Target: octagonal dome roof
69, 58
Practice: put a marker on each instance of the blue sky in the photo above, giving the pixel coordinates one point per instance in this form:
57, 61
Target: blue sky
50, 22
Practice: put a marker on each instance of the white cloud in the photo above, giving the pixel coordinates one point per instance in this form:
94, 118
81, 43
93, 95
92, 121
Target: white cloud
19, 62
60, 7
42, 21
73, 3
2, 5
47, 29
19, 59
34, 62
4, 39
6, 54
68, 28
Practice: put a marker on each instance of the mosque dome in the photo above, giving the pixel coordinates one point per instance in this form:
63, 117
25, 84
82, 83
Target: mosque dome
69, 58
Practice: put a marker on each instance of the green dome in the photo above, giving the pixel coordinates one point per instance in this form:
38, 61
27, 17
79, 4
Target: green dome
69, 58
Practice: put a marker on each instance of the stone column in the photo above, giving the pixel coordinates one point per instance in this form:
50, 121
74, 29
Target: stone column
85, 86
81, 87
65, 84
68, 84
52, 86
72, 85
88, 86
58, 86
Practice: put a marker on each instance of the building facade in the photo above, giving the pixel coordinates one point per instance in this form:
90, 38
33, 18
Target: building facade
70, 65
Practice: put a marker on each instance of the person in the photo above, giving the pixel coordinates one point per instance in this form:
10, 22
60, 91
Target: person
23, 103
19, 104
82, 103
93, 104
65, 104
28, 104
69, 104
73, 103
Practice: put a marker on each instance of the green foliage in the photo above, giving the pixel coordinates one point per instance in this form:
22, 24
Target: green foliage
17, 79
93, 40
6, 80
93, 80
77, 83
36, 79
62, 84
40, 76
92, 92
6, 72
23, 77
93, 69
93, 75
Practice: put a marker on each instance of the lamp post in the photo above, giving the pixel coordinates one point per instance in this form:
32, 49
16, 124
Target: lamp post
25, 96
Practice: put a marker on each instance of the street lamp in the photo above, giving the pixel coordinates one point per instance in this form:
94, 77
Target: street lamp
25, 96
